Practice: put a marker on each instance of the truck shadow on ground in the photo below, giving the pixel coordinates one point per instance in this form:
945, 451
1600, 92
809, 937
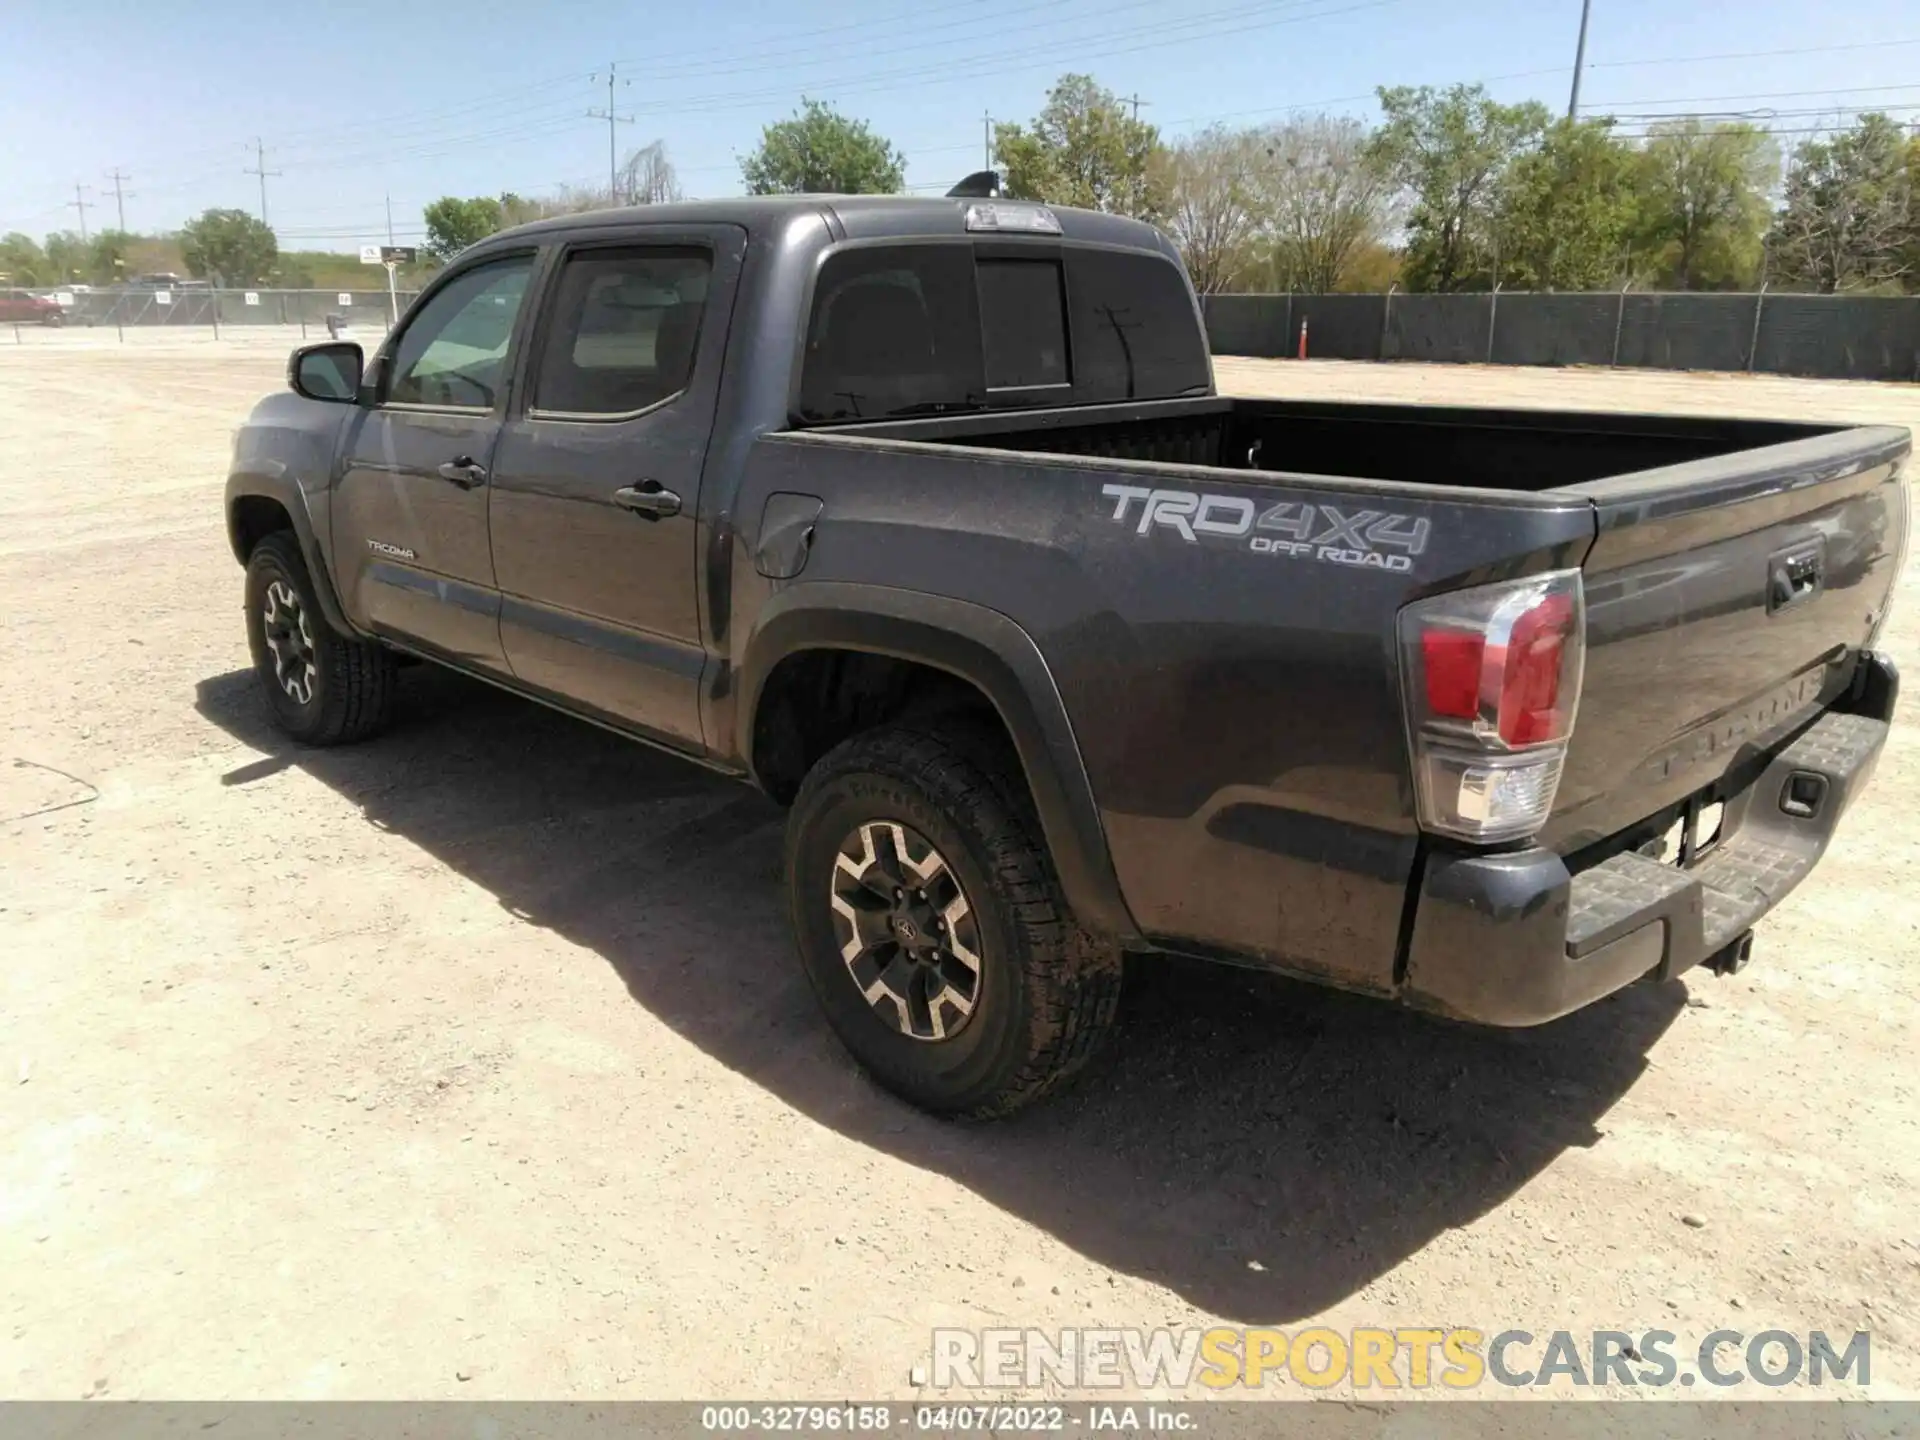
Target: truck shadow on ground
1263, 1148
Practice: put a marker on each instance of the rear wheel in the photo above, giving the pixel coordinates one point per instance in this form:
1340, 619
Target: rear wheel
931, 925
324, 688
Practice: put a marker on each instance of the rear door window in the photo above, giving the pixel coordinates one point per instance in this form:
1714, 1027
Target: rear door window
622, 331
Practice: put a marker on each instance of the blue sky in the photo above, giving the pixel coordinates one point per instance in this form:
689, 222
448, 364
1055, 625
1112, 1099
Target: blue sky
358, 101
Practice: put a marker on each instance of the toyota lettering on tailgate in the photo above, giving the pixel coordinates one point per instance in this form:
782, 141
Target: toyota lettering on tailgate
1300, 529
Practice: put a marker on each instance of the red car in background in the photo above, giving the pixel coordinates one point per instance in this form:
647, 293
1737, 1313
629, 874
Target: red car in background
17, 307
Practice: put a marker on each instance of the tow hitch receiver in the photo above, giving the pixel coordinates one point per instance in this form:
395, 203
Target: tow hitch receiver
1733, 959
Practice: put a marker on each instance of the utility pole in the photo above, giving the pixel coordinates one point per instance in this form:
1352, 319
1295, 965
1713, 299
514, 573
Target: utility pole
986, 139
260, 169
80, 203
613, 118
120, 196
389, 219
1579, 61
1136, 102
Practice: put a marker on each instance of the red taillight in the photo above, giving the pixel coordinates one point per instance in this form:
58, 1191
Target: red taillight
1493, 678
1451, 661
1530, 676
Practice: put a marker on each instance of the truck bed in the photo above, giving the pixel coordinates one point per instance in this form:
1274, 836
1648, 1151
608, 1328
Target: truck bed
1273, 676
1526, 450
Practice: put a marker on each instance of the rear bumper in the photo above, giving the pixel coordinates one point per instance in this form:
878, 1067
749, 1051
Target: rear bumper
1513, 939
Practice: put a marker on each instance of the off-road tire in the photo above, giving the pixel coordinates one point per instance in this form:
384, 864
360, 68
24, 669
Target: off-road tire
1048, 991
353, 685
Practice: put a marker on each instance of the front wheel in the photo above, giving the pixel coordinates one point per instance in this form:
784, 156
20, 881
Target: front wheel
930, 922
324, 688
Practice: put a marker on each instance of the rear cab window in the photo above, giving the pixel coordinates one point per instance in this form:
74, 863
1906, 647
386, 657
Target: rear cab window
933, 328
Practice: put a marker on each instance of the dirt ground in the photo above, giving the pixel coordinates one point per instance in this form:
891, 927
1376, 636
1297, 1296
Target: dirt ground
474, 1061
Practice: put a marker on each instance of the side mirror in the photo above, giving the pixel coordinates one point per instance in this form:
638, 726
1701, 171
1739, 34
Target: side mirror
328, 371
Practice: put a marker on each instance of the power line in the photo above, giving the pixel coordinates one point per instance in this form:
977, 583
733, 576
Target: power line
260, 169
786, 59
1047, 56
1754, 95
1754, 54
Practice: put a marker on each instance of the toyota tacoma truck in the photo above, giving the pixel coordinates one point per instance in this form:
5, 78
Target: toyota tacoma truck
924, 516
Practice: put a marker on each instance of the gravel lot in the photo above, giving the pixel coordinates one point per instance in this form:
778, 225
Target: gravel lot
474, 1061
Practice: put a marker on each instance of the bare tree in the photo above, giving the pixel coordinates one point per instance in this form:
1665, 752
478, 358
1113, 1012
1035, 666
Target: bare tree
1213, 216
1845, 214
648, 177
1323, 197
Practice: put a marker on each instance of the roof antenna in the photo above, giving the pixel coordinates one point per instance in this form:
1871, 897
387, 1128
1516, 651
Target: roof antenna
981, 185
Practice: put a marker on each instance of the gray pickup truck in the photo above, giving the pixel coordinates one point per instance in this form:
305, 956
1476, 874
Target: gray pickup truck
924, 516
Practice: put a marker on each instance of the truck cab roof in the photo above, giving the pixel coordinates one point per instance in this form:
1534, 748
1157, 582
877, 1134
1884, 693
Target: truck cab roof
849, 217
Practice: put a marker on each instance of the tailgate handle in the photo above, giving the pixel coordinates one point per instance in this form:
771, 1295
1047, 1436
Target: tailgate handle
1793, 575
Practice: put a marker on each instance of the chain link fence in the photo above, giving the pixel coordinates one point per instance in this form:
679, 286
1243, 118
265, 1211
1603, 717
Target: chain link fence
1852, 337
197, 307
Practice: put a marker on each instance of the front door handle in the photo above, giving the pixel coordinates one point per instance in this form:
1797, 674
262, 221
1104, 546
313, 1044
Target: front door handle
464, 471
650, 500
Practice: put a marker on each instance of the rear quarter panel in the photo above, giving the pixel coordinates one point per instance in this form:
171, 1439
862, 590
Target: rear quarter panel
1238, 710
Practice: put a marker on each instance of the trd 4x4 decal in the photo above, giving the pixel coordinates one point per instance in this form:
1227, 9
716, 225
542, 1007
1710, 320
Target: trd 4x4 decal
1303, 530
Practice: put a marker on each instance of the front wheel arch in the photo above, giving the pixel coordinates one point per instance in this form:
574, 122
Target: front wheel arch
255, 512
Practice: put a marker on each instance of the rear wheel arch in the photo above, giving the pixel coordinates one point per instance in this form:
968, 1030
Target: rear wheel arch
946, 660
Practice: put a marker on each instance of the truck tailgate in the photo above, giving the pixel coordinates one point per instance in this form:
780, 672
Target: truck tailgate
1725, 601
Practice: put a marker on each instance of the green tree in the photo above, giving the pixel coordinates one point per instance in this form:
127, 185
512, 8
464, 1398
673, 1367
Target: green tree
453, 224
1910, 246
821, 152
229, 246
1450, 150
1085, 150
1846, 218
107, 256
66, 258
1703, 203
1567, 209
22, 261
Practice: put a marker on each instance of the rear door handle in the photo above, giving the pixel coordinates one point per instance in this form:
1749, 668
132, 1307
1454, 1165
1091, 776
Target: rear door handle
464, 471
650, 500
